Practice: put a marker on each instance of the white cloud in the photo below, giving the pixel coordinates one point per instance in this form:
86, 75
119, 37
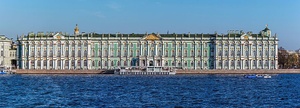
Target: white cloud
99, 14
114, 6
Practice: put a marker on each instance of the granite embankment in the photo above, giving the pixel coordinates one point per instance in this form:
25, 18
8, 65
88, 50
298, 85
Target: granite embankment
31, 71
262, 71
278, 71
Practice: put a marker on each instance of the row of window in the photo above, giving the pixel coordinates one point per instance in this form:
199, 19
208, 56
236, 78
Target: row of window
172, 63
11, 54
247, 53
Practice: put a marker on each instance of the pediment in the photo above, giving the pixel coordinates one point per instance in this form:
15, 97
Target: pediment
246, 36
152, 37
58, 36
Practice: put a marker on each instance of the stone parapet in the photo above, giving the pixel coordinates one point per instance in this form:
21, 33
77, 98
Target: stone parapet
277, 71
262, 71
31, 71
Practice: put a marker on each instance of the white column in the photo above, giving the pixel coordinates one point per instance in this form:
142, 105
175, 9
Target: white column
48, 64
29, 64
23, 50
234, 56
35, 64
69, 64
23, 64
29, 51
88, 56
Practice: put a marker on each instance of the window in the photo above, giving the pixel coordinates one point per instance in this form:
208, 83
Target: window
173, 53
66, 63
119, 53
79, 53
38, 63
67, 52
266, 64
152, 52
166, 54
111, 53
85, 53
179, 53
232, 52
51, 52
73, 52
232, 63
125, 63
159, 52
45, 63
247, 53
59, 63
78, 63
73, 62
220, 52
226, 63
93, 52
85, 63
239, 53
99, 52
105, 53
51, 63
145, 52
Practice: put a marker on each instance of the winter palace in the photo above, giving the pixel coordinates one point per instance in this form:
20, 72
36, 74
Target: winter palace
235, 50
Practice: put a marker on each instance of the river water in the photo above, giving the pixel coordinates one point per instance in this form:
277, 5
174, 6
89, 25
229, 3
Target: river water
282, 90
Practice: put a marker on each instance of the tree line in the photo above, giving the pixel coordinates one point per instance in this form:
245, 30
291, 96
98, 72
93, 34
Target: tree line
287, 60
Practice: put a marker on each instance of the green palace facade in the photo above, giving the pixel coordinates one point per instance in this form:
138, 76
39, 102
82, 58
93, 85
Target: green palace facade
235, 50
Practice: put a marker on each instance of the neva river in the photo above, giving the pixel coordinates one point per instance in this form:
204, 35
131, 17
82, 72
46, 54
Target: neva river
282, 90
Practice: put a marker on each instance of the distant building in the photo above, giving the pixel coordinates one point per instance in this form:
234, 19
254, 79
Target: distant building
7, 52
235, 50
291, 51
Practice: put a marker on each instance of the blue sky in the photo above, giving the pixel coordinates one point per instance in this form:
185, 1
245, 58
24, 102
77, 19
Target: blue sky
139, 16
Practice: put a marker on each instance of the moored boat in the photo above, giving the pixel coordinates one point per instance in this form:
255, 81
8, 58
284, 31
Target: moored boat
150, 70
257, 76
3, 70
250, 76
267, 76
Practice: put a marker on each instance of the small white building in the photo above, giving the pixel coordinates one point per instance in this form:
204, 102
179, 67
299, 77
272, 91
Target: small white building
7, 52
